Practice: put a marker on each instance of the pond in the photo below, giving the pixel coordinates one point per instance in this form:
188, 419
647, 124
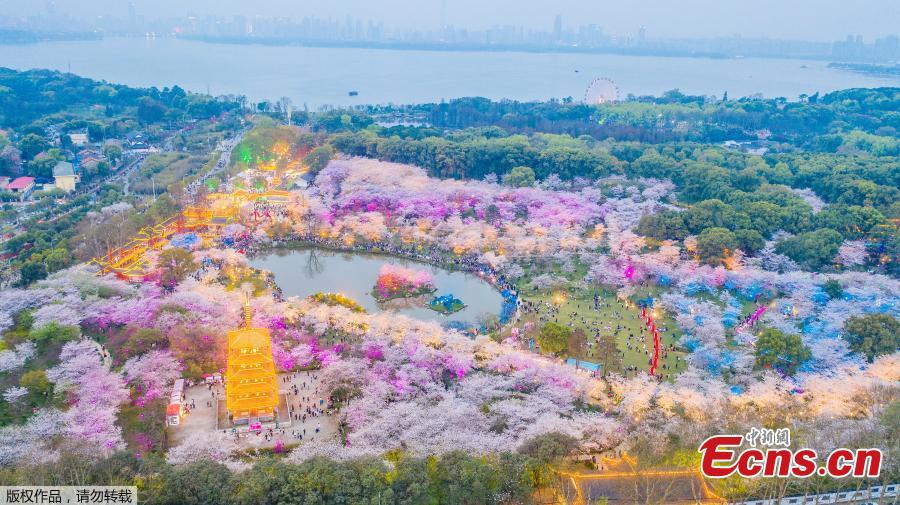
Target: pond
306, 271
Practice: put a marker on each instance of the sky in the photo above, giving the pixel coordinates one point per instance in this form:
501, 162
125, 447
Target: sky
820, 20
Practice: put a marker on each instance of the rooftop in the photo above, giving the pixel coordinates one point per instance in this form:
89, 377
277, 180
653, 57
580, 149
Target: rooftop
21, 183
63, 168
249, 338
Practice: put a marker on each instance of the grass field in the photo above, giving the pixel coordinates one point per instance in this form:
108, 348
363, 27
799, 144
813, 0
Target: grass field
576, 310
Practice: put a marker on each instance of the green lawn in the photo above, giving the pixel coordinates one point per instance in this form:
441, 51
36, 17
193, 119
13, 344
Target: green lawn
577, 309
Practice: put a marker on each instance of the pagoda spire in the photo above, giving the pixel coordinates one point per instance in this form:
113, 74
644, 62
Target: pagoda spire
248, 312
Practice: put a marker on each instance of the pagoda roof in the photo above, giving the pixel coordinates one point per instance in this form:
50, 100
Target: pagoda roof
256, 387
249, 337
261, 370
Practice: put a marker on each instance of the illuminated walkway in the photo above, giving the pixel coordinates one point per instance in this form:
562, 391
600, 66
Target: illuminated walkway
129, 262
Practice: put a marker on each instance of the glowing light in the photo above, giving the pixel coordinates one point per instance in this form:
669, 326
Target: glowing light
559, 298
251, 390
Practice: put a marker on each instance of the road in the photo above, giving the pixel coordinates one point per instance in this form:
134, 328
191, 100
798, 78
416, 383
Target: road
24, 213
224, 149
135, 164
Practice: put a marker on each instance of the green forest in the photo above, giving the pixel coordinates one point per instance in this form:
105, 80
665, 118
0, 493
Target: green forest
842, 146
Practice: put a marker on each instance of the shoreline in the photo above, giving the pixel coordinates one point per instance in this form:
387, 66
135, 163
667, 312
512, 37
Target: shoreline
498, 285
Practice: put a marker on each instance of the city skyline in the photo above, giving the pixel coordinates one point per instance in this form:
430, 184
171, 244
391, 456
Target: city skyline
558, 35
689, 19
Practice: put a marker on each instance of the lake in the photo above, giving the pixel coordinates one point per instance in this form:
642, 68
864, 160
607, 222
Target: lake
319, 76
306, 271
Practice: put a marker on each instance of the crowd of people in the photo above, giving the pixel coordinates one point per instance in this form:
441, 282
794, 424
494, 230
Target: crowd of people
303, 400
636, 337
309, 403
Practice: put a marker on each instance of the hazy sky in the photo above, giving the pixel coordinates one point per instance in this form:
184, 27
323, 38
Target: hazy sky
825, 20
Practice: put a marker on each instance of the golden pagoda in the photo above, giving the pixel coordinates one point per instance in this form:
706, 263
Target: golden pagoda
251, 391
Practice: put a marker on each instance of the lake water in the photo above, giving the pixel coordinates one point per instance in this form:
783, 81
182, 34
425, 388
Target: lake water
306, 271
317, 76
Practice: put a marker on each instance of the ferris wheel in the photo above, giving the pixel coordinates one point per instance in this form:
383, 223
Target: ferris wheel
601, 90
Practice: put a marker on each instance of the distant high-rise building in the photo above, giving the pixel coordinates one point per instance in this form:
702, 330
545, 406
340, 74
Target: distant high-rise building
642, 34
132, 16
557, 28
240, 25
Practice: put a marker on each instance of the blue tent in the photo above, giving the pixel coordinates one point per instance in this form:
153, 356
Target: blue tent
584, 365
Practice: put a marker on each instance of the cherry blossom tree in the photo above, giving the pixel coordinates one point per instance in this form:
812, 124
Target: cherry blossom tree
30, 443
14, 394
852, 253
204, 446
152, 373
96, 394
12, 359
406, 383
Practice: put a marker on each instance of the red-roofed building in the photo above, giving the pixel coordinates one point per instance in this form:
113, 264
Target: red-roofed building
174, 413
22, 186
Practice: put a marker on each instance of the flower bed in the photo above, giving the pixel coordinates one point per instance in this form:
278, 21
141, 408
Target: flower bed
395, 281
333, 299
